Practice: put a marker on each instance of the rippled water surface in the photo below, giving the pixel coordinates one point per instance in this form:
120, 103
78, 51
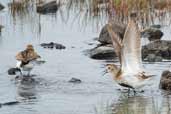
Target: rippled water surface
52, 94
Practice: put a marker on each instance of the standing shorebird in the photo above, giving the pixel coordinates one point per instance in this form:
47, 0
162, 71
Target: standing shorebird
27, 59
130, 74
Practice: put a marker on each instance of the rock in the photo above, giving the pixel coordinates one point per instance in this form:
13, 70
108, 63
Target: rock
1, 7
160, 48
152, 33
117, 27
165, 81
50, 7
13, 71
1, 27
153, 52
102, 52
52, 45
74, 80
153, 58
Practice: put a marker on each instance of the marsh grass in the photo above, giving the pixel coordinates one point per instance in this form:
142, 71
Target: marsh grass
95, 12
146, 11
20, 8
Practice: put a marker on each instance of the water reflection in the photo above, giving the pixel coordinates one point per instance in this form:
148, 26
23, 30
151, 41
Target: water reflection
166, 105
138, 105
134, 105
20, 8
27, 88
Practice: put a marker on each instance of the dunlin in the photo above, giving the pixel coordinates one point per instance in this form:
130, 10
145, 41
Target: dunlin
131, 73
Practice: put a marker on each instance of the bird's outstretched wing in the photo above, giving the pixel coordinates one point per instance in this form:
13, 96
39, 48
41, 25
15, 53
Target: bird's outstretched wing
131, 49
116, 40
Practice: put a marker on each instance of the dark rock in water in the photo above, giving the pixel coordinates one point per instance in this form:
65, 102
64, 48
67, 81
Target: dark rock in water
13, 71
160, 48
117, 27
152, 34
52, 45
1, 27
1, 7
50, 7
74, 80
153, 58
165, 81
102, 52
153, 52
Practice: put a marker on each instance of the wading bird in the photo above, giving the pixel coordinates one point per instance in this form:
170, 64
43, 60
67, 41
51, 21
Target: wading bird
131, 74
27, 59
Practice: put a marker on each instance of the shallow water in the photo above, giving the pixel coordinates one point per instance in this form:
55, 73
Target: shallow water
52, 94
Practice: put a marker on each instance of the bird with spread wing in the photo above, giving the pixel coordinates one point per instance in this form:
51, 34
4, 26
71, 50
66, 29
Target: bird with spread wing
131, 73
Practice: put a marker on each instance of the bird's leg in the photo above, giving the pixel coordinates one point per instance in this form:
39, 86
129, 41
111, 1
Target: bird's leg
128, 91
19, 70
21, 73
28, 74
134, 92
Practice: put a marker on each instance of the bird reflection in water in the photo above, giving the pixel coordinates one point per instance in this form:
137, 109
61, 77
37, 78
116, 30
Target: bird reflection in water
27, 87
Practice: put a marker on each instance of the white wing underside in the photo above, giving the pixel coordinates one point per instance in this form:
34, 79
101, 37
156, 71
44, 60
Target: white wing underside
131, 49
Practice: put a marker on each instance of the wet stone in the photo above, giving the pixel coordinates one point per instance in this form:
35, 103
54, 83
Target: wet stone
117, 27
13, 71
1, 27
159, 49
50, 7
165, 81
52, 45
152, 34
153, 58
102, 52
74, 80
1, 7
